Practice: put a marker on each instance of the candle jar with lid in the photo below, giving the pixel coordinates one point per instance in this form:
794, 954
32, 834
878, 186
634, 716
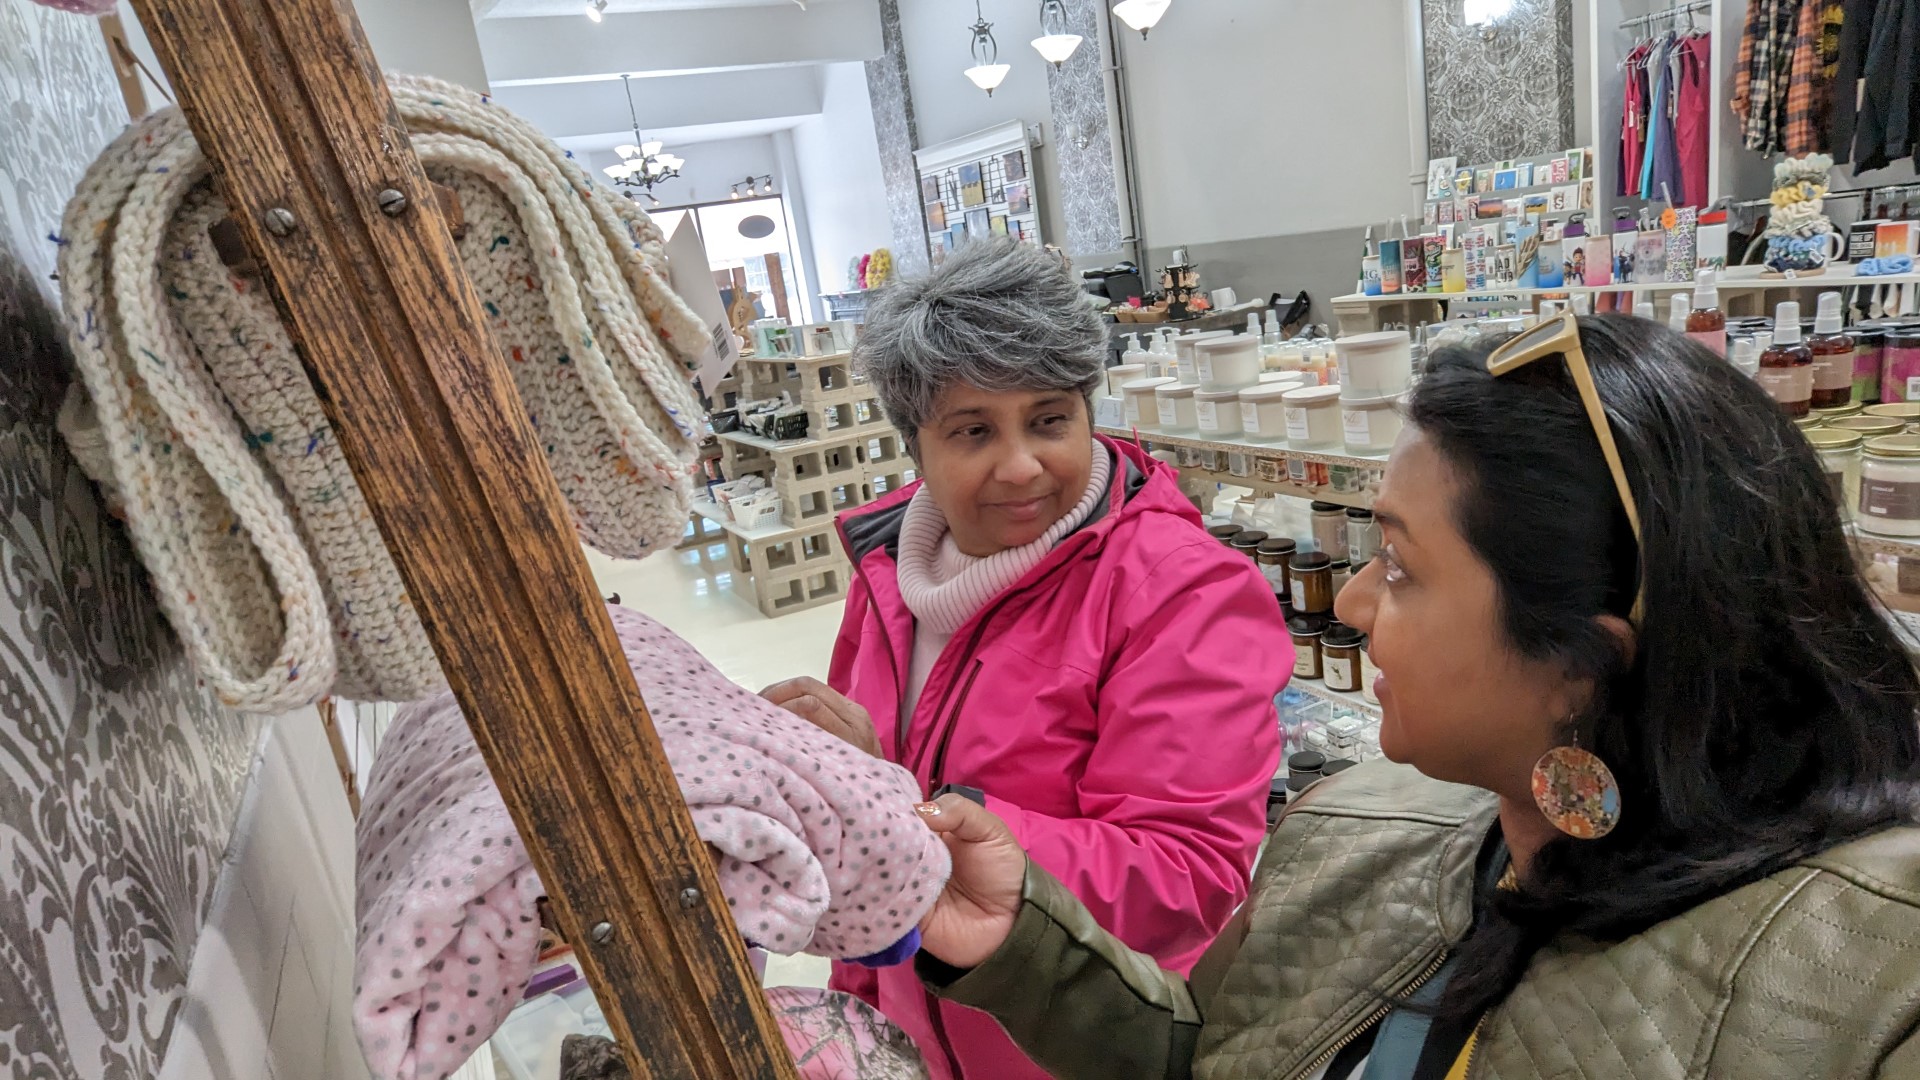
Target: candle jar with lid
1340, 657
1311, 576
1890, 486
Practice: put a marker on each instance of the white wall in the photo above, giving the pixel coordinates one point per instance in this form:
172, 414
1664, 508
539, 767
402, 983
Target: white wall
416, 37
425, 37
837, 163
946, 106
711, 168
1256, 118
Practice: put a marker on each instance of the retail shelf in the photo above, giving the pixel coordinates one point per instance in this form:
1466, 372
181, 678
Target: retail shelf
839, 437
1319, 689
1232, 447
713, 512
1361, 499
802, 361
1885, 545
1837, 278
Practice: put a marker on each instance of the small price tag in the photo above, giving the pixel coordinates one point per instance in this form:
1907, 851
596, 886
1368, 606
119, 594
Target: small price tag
1109, 412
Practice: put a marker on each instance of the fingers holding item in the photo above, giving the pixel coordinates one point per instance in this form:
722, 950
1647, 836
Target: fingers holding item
959, 818
787, 689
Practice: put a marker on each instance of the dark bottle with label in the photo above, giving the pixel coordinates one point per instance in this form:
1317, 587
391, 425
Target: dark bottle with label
1832, 356
1786, 368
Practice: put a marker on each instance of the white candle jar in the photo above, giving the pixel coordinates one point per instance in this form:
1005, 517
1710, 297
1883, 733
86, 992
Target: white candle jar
1142, 410
1369, 426
1375, 365
1176, 407
1230, 363
1217, 413
1313, 418
1263, 413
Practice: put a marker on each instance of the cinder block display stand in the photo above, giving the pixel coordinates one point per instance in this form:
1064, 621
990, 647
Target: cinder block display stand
851, 457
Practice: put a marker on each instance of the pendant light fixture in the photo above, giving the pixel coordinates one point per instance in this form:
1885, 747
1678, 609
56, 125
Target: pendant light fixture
987, 71
597, 10
644, 162
1141, 15
1056, 43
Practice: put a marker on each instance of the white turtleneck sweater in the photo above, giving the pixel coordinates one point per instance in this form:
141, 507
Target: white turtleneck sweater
944, 587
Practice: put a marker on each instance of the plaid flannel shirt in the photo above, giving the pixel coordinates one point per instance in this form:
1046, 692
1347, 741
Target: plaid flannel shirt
1815, 60
1772, 65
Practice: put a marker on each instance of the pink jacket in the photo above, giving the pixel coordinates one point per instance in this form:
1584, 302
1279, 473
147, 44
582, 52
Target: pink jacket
1116, 705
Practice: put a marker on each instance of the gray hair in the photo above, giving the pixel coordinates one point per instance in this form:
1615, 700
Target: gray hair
998, 315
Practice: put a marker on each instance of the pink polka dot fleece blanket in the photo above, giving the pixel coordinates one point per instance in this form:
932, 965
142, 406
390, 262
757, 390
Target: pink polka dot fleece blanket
819, 851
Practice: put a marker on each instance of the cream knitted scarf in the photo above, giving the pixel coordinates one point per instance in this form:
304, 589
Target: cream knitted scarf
201, 424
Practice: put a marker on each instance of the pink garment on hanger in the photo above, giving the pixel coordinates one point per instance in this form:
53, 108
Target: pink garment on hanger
1692, 110
819, 851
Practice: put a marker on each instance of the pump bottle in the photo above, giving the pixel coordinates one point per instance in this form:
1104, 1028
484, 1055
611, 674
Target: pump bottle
1707, 324
1832, 355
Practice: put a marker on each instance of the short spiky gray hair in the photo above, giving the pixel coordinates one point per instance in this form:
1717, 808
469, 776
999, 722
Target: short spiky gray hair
998, 315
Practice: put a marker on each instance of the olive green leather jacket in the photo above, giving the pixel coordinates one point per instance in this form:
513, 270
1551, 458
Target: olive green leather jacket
1368, 880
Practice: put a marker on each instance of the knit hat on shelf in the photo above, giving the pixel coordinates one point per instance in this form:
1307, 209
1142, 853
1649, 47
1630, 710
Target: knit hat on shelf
200, 422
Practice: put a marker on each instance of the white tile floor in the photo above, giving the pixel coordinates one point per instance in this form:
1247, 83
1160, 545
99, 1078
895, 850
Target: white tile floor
695, 595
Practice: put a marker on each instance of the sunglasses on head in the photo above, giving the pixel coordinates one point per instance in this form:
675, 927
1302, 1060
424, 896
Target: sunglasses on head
1560, 336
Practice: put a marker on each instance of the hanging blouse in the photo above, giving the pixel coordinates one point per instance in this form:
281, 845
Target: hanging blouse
1633, 122
1692, 111
1659, 165
1815, 58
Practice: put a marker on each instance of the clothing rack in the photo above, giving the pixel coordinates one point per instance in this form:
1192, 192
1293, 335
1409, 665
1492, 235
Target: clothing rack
1669, 14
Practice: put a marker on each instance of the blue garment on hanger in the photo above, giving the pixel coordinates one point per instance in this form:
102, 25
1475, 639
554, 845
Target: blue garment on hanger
1659, 120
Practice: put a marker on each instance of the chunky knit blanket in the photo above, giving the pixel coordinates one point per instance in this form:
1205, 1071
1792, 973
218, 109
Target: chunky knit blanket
200, 422
817, 847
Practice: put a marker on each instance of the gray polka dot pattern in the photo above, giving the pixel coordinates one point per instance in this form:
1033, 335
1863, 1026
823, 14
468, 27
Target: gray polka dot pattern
817, 846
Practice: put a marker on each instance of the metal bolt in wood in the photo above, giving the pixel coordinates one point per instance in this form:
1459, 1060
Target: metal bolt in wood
280, 221
601, 933
393, 202
689, 897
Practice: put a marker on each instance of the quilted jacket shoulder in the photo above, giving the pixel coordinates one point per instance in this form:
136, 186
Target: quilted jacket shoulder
1812, 972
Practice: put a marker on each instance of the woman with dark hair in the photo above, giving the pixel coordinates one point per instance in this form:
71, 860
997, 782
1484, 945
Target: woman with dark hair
1654, 806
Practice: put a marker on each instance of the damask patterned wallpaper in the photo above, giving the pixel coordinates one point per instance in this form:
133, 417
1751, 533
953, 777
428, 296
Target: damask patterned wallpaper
119, 777
1088, 186
1501, 92
892, 100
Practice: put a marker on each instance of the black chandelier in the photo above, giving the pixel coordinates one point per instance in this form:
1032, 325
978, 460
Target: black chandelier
643, 162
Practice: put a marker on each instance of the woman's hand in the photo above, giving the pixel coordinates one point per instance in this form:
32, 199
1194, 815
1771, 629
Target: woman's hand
973, 917
827, 709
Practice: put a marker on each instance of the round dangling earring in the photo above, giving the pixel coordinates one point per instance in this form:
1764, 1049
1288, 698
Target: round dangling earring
1576, 792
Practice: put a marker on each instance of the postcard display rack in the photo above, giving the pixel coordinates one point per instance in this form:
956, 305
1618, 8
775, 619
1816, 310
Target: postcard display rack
982, 184
850, 457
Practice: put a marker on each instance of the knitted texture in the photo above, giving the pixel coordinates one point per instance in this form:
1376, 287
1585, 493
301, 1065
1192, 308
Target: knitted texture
216, 450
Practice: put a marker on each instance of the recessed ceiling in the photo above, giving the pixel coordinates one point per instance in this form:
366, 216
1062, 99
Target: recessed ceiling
529, 9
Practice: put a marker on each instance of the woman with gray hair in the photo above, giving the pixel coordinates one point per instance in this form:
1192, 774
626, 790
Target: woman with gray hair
1041, 624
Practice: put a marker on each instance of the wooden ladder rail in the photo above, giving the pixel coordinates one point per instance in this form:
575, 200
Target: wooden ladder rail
290, 108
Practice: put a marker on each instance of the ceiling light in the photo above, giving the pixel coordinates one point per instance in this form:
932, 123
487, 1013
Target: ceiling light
1055, 43
1141, 15
734, 192
642, 162
987, 71
597, 10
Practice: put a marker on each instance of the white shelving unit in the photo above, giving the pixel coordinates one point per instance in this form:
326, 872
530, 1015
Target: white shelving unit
1269, 470
1743, 291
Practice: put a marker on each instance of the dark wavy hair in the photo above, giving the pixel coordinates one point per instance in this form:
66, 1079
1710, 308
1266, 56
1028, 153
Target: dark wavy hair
1769, 710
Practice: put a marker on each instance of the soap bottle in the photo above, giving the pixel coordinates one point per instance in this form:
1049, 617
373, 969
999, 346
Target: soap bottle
1708, 324
1643, 309
1786, 368
1745, 356
1270, 342
1253, 325
1832, 355
1678, 309
1136, 353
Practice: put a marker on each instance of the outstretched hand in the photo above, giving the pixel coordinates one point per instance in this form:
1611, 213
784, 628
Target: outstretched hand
975, 914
